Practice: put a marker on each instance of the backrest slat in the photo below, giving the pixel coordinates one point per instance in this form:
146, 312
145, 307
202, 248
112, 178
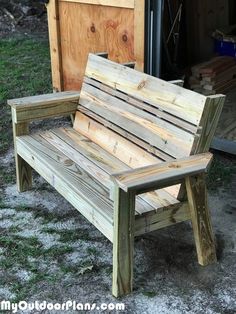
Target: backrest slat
171, 98
165, 120
159, 133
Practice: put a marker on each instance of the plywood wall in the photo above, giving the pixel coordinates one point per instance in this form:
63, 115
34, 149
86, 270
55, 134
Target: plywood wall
77, 27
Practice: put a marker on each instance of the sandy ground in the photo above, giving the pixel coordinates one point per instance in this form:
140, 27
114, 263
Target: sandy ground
167, 278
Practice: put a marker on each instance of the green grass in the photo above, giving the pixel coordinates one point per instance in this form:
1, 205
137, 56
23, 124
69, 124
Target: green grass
24, 71
68, 236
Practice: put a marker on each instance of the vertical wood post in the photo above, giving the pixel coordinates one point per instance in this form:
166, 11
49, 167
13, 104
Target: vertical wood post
139, 34
201, 220
55, 45
123, 242
23, 169
207, 127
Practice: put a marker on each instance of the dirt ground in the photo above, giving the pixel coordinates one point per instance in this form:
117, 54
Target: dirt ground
48, 251
67, 258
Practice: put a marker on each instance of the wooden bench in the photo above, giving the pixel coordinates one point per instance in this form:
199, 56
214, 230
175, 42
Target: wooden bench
134, 160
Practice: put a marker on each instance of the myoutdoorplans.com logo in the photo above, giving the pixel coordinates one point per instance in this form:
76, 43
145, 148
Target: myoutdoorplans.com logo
65, 306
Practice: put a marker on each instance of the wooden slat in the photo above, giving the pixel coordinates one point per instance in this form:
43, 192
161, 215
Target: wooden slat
171, 98
45, 106
69, 181
157, 176
55, 45
106, 161
101, 164
129, 4
167, 137
146, 146
140, 104
78, 158
120, 147
94, 161
161, 219
44, 100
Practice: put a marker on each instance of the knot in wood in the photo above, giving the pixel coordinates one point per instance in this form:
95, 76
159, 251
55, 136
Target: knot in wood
125, 38
141, 85
174, 166
93, 29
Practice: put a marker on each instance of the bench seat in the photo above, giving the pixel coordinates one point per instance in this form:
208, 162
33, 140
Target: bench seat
81, 171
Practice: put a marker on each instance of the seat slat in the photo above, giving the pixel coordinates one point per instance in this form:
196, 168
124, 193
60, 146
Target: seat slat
68, 179
175, 142
74, 144
171, 98
91, 165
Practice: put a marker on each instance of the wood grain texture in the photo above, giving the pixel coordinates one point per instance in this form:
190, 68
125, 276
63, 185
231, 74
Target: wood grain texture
100, 164
159, 133
123, 243
81, 190
208, 124
171, 98
55, 44
43, 100
112, 3
201, 222
161, 175
144, 106
157, 220
139, 34
44, 106
86, 28
23, 169
206, 130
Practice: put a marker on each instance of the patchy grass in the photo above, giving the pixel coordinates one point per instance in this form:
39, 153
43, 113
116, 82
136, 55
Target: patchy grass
7, 175
24, 71
69, 235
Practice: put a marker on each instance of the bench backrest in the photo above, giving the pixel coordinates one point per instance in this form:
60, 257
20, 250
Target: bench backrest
164, 119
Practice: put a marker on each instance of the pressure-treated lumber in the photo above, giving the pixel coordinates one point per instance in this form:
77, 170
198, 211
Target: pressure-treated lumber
174, 99
132, 140
55, 45
69, 181
201, 222
23, 169
160, 175
123, 242
45, 106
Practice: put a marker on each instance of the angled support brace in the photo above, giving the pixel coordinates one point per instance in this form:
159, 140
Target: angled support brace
201, 220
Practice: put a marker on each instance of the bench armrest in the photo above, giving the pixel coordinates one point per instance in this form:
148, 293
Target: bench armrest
161, 175
28, 109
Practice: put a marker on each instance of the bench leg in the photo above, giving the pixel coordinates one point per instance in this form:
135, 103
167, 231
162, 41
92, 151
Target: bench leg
201, 220
123, 242
23, 169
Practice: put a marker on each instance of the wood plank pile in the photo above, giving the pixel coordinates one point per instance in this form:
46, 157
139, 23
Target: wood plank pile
215, 76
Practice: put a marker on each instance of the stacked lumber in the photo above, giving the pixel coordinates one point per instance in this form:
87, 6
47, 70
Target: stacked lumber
215, 76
